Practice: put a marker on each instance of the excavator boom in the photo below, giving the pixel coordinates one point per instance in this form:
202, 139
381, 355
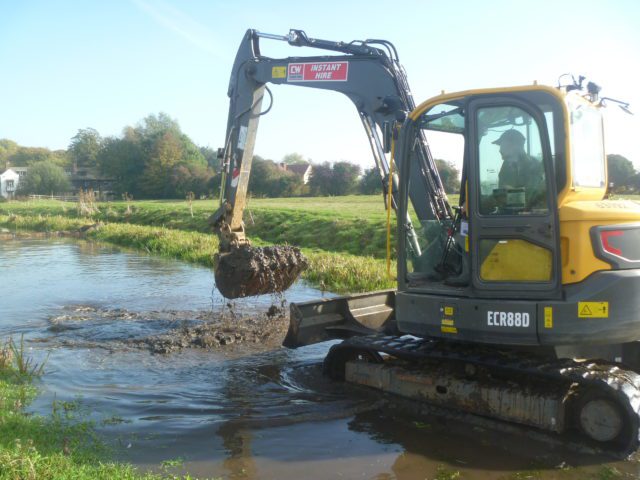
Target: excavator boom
369, 73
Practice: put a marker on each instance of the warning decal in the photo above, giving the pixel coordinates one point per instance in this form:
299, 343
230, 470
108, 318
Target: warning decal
278, 72
318, 72
593, 309
548, 317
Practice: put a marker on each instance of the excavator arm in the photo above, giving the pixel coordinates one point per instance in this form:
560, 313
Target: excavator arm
370, 75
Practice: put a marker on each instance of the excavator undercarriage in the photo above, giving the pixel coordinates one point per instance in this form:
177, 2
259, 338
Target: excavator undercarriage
595, 400
599, 400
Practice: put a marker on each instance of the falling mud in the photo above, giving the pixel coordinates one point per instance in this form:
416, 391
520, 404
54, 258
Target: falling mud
248, 271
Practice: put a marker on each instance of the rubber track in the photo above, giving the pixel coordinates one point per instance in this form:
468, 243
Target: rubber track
610, 379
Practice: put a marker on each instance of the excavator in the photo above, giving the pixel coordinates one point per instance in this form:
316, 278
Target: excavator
520, 303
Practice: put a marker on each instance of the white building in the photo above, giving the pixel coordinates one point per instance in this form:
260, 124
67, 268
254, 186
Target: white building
9, 180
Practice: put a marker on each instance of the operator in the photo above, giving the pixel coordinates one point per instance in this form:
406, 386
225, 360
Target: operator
519, 171
518, 168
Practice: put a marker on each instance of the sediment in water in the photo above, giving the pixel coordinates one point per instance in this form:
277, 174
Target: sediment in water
263, 330
247, 271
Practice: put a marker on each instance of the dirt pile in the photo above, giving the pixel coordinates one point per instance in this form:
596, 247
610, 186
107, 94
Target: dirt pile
247, 271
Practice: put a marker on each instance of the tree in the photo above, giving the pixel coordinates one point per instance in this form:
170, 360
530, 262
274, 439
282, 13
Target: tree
85, 147
211, 157
122, 160
263, 172
288, 184
621, 173
155, 159
339, 179
191, 178
160, 169
269, 180
635, 182
25, 156
7, 148
321, 178
345, 178
153, 126
370, 183
44, 178
294, 159
450, 176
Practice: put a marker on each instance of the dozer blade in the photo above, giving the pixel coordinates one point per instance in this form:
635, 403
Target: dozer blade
341, 317
247, 271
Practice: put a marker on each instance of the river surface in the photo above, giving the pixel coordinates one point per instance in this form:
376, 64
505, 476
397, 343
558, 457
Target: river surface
236, 411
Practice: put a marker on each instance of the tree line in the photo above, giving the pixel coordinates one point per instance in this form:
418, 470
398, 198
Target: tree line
155, 159
623, 177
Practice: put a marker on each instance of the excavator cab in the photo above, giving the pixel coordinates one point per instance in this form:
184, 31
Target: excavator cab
511, 147
526, 153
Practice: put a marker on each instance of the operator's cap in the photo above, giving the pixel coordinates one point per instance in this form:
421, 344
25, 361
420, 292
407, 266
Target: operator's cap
510, 136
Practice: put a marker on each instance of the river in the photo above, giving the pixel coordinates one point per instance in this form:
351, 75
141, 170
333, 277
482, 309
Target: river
252, 410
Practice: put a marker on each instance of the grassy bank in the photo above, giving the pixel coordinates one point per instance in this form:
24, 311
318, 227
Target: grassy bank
354, 225
336, 272
59, 445
343, 237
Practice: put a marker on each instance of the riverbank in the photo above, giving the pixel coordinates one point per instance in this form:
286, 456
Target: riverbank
353, 224
59, 445
168, 229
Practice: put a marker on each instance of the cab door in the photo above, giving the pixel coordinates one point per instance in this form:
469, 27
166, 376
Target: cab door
514, 228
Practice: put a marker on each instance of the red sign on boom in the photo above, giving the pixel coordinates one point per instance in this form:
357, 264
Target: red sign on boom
318, 72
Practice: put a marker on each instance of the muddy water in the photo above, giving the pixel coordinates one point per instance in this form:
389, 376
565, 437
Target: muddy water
240, 408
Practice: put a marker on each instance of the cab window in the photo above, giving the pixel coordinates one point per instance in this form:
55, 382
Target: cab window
511, 170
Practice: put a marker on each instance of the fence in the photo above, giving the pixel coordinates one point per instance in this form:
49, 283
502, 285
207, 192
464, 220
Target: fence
63, 198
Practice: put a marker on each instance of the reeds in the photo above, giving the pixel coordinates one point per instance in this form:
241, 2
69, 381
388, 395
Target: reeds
14, 360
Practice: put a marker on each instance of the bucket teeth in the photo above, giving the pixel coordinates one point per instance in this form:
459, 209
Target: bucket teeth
247, 271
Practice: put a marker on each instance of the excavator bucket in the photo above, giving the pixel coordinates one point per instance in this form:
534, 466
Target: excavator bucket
341, 317
246, 271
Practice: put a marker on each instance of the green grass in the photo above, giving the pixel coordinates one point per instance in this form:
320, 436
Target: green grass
56, 446
354, 224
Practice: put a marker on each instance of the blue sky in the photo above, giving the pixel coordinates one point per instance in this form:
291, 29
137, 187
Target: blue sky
67, 64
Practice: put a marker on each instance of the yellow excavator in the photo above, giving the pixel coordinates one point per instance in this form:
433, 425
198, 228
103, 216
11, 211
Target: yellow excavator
520, 303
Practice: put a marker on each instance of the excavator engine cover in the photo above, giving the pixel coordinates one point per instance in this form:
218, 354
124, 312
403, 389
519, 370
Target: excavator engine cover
246, 271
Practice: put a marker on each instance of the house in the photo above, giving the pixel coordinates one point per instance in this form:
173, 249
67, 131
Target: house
21, 171
9, 180
303, 170
88, 178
